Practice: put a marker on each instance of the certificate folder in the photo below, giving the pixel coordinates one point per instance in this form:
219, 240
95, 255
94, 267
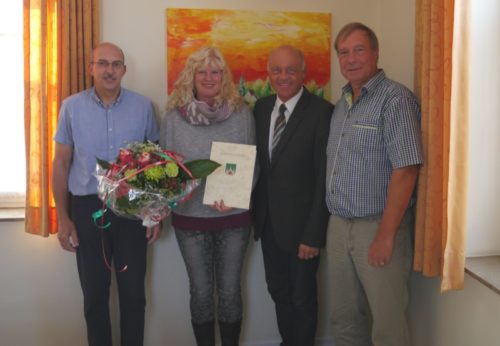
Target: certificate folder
232, 181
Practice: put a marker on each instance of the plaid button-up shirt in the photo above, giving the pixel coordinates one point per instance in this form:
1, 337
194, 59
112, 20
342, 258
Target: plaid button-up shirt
369, 138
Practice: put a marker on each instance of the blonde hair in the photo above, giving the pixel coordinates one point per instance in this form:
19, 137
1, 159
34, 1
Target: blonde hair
184, 91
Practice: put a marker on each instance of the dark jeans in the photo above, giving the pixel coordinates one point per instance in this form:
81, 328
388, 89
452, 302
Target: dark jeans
293, 288
219, 254
124, 244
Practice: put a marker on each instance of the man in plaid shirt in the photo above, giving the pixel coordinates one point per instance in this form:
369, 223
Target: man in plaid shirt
373, 157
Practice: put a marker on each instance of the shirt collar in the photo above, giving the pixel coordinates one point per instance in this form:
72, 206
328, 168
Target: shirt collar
97, 100
368, 87
291, 103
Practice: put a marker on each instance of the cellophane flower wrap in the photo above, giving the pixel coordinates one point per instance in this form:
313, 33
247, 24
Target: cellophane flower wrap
146, 182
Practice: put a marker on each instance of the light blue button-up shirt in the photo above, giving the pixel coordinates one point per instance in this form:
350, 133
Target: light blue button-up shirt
96, 131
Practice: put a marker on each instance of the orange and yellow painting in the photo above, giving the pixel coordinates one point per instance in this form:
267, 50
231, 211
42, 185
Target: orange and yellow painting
246, 38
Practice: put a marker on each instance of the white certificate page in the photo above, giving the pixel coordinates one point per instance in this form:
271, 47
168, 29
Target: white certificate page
232, 181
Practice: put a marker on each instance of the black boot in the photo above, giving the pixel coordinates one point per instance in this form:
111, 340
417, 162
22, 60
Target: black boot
230, 333
204, 333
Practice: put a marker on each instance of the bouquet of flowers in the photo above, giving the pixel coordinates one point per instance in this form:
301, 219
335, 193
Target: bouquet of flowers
146, 182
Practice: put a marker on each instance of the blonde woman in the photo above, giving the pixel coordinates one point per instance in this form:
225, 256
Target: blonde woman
205, 107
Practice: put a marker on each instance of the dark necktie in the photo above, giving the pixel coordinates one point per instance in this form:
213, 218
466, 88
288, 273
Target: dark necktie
279, 125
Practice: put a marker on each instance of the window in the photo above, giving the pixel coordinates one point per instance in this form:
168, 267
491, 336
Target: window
12, 148
483, 236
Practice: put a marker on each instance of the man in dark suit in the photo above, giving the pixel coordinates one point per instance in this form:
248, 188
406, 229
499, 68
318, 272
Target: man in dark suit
290, 211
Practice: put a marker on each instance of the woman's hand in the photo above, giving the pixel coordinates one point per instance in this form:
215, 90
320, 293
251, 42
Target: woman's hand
219, 206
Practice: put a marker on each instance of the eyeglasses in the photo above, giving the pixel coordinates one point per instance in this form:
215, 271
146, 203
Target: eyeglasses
104, 64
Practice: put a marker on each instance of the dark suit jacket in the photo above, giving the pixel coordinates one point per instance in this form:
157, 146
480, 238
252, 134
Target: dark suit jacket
290, 192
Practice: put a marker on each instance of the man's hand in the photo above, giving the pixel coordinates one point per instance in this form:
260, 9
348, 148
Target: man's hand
66, 233
380, 251
399, 193
153, 233
307, 252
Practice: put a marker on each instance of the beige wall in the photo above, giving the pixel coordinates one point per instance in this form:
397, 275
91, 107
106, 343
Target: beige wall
40, 298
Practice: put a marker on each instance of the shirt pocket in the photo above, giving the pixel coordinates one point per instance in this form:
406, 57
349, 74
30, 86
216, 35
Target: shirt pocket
367, 133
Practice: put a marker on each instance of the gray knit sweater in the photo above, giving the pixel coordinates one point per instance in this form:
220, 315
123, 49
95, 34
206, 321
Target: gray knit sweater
195, 142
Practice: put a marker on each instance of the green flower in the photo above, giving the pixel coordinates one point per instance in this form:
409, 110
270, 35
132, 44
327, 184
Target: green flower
171, 170
154, 173
130, 175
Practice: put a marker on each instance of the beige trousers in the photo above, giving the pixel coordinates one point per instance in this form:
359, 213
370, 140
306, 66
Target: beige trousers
369, 304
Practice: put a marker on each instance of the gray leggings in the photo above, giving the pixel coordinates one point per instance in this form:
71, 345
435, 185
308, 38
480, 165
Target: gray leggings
209, 255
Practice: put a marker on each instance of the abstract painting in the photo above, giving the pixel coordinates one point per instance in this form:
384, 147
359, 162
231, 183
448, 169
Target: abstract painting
246, 38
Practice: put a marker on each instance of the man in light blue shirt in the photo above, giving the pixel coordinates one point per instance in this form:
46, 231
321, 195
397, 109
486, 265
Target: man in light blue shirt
373, 157
96, 123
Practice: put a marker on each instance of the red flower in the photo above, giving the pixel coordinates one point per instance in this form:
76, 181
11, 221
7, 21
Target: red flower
113, 171
122, 189
125, 157
144, 159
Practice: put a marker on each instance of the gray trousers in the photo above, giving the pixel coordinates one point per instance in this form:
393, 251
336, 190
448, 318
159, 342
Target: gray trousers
214, 259
367, 298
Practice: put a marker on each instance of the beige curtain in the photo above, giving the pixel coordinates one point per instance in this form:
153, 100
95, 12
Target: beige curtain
58, 37
441, 84
454, 252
